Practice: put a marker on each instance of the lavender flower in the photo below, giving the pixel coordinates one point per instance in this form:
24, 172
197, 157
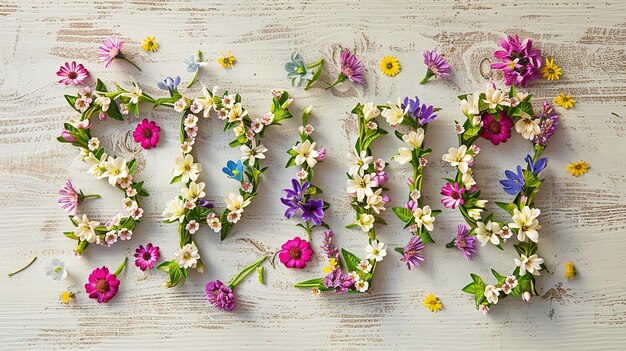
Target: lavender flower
69, 198
313, 211
293, 197
412, 252
351, 68
519, 62
339, 281
219, 295
169, 84
548, 121
464, 242
420, 112
437, 66
328, 247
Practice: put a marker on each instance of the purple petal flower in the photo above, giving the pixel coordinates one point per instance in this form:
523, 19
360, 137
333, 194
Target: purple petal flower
219, 295
420, 112
412, 252
519, 62
464, 242
313, 211
69, 198
331, 250
437, 66
293, 197
548, 123
351, 67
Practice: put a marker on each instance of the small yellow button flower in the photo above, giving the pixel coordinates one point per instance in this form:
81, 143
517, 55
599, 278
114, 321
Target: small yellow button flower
432, 302
570, 271
331, 266
390, 66
578, 168
565, 101
66, 297
551, 71
227, 61
149, 44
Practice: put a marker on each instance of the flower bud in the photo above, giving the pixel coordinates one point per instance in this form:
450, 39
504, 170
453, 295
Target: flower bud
308, 110
409, 181
321, 154
526, 296
102, 116
288, 102
386, 198
67, 136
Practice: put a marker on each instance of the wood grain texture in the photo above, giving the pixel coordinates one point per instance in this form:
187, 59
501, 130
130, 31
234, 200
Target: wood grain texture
582, 218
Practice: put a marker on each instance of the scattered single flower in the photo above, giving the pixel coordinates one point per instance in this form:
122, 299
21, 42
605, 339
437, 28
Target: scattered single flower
578, 168
295, 253
565, 101
436, 66
570, 271
351, 69
72, 73
550, 70
110, 50
147, 256
103, 285
390, 66
147, 134
149, 44
432, 303
227, 61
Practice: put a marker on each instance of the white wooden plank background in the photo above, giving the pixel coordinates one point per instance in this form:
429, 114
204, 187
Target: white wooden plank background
582, 218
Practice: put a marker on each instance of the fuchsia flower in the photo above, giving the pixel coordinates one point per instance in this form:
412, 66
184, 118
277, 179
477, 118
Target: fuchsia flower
102, 285
111, 49
220, 296
351, 69
295, 253
67, 136
147, 134
72, 73
437, 66
146, 257
519, 62
496, 130
412, 252
452, 195
464, 242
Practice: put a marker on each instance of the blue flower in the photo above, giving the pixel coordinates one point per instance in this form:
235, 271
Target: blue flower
169, 84
193, 65
297, 70
514, 184
537, 166
234, 170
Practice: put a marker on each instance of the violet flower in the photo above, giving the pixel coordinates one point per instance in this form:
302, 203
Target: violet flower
519, 62
513, 185
313, 211
351, 69
111, 49
419, 112
548, 121
338, 281
437, 66
220, 296
538, 166
331, 250
293, 197
412, 252
464, 242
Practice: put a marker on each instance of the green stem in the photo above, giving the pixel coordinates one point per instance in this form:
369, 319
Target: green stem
308, 231
23, 268
123, 58
195, 76
245, 272
340, 79
428, 75
90, 196
119, 269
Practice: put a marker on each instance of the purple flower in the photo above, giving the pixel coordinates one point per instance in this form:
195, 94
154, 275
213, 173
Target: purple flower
412, 252
351, 68
321, 154
147, 256
328, 247
340, 282
437, 66
519, 62
206, 203
513, 185
67, 136
69, 198
411, 205
219, 295
381, 178
538, 166
420, 112
464, 242
313, 211
548, 122
452, 195
293, 197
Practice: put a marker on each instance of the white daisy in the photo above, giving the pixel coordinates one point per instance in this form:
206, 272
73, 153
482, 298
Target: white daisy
376, 250
187, 256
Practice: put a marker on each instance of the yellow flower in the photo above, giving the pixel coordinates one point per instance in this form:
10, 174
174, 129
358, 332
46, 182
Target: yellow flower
149, 44
578, 168
565, 101
331, 266
570, 271
390, 66
227, 61
66, 297
432, 302
551, 71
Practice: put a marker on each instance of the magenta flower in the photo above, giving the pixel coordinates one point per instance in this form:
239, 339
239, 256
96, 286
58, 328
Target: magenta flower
72, 73
147, 134
519, 62
146, 257
111, 49
220, 296
437, 66
102, 285
69, 198
412, 252
351, 69
496, 130
464, 242
67, 136
452, 195
295, 253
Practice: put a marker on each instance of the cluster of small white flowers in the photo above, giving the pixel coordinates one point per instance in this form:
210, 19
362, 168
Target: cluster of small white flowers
492, 292
366, 187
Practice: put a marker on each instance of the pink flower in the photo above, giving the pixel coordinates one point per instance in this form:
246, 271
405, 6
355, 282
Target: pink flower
109, 50
321, 154
102, 285
69, 198
72, 73
146, 257
496, 131
452, 195
67, 136
295, 253
147, 133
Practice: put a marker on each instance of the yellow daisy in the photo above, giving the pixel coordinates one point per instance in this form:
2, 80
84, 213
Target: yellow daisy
551, 71
390, 66
66, 297
227, 61
432, 302
570, 271
578, 168
565, 101
149, 44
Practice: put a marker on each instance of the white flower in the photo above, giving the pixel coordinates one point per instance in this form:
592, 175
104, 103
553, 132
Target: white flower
527, 224
493, 96
236, 113
404, 155
93, 143
115, 169
131, 192
477, 121
361, 285
506, 232
129, 203
376, 250
526, 296
459, 129
181, 104
194, 191
207, 102
459, 158
240, 129
215, 225
475, 213
468, 180
235, 202
191, 121
234, 217
414, 138
365, 222
136, 213
415, 194
134, 95
257, 125
86, 229
481, 204
175, 211
394, 114
125, 234
530, 264
306, 153
302, 174
375, 202
361, 186
187, 256
488, 232
423, 217
527, 126
370, 111
364, 266
511, 281
506, 288
252, 153
193, 226
358, 162
56, 270
228, 101
186, 168
469, 106
492, 293
103, 101
267, 118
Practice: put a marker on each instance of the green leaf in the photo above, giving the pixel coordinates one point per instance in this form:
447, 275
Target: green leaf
176, 179
71, 100
312, 190
508, 207
131, 166
70, 235
471, 132
351, 260
312, 283
530, 180
404, 214
498, 276
425, 236
226, 228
